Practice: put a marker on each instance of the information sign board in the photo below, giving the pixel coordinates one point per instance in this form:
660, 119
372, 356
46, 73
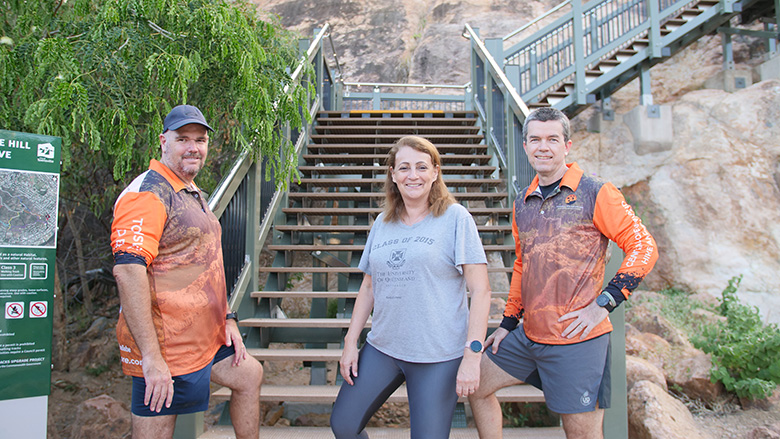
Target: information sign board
29, 193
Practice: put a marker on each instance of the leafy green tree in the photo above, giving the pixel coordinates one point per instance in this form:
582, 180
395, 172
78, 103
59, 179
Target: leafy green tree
102, 75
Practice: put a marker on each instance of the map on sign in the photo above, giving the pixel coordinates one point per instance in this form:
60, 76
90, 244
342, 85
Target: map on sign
28, 208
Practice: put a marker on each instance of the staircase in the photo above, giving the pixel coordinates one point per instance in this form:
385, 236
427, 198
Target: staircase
322, 230
320, 226
598, 47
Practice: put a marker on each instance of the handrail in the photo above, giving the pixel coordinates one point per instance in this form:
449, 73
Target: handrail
223, 191
516, 102
314, 47
535, 20
388, 84
340, 75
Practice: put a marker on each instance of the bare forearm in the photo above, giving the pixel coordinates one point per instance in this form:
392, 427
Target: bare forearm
478, 284
136, 299
364, 304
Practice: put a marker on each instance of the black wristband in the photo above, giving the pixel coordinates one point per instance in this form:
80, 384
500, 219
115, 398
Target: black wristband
509, 323
232, 315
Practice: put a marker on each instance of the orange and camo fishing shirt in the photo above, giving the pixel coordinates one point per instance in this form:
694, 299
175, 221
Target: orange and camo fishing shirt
163, 225
561, 244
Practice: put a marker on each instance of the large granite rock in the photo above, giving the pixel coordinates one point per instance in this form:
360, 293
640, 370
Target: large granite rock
101, 417
711, 202
654, 414
639, 369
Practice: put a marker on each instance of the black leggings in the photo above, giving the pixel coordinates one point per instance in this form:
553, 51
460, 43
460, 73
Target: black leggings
430, 388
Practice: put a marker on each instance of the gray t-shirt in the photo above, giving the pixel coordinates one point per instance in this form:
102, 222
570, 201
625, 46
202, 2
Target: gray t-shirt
420, 304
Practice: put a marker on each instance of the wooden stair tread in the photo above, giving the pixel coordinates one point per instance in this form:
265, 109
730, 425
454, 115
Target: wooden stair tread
361, 247
391, 138
226, 432
326, 394
380, 158
401, 113
359, 169
349, 182
397, 121
327, 228
315, 323
326, 294
344, 270
416, 127
341, 211
295, 354
373, 148
381, 195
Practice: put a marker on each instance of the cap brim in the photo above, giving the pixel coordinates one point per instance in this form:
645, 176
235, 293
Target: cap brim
181, 123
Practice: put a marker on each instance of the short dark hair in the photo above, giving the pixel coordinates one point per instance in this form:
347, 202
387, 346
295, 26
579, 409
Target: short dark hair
545, 114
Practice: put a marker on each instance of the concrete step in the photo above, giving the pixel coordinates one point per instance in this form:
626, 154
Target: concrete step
226, 432
327, 394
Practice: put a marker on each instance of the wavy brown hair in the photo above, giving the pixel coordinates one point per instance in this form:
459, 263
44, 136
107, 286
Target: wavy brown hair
439, 198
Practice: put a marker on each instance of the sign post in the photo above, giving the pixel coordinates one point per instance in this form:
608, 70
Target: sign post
29, 193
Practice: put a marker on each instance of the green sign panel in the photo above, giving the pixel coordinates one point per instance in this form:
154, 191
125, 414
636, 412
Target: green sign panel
29, 192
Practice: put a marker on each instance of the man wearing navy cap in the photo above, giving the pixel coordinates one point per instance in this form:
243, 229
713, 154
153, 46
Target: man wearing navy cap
175, 331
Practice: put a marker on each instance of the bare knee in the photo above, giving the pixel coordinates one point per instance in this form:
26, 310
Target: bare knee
152, 427
586, 425
253, 374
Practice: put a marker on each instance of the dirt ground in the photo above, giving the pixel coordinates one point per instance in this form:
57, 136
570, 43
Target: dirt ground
69, 389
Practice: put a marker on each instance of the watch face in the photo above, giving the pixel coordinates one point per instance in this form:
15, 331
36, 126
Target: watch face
476, 346
602, 300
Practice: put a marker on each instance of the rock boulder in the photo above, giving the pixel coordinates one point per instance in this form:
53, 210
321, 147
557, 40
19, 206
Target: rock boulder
101, 417
654, 414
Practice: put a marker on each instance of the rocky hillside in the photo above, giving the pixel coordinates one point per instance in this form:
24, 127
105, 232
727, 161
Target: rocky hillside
711, 201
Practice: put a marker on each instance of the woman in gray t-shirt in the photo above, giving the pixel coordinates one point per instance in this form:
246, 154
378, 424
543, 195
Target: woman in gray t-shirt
422, 253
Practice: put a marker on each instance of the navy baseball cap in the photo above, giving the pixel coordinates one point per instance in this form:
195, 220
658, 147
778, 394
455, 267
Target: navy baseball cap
182, 115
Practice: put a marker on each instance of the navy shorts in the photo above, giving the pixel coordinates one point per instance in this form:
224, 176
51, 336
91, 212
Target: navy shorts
573, 377
190, 392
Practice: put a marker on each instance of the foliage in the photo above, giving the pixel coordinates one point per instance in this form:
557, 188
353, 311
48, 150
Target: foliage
103, 74
745, 351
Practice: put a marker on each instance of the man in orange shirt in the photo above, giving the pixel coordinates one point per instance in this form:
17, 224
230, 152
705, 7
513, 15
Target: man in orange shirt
175, 331
562, 224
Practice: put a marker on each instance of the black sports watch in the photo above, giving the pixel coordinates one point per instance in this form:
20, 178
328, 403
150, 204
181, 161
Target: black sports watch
232, 315
475, 346
606, 301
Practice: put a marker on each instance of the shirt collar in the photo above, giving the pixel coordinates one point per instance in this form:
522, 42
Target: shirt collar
571, 179
173, 179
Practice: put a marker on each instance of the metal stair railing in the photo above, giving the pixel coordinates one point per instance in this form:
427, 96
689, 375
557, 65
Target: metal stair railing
500, 109
246, 203
563, 50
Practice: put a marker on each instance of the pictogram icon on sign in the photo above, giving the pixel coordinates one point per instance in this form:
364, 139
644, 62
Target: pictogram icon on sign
14, 310
39, 309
